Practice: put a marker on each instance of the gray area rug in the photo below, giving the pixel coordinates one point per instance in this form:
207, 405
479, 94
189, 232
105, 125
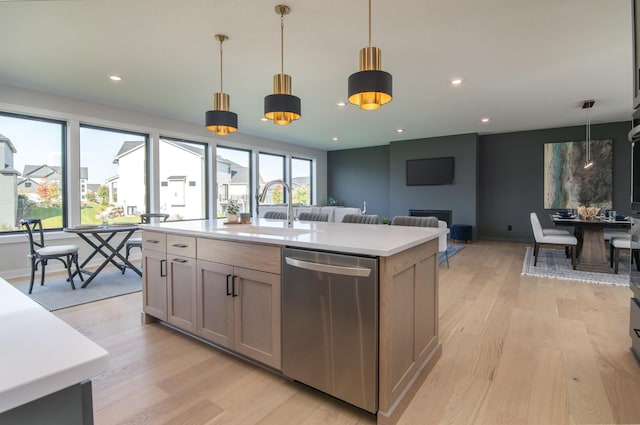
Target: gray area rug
57, 293
552, 263
451, 251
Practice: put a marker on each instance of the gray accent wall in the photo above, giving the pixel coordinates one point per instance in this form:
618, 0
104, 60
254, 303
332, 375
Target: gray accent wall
511, 181
358, 175
461, 197
498, 177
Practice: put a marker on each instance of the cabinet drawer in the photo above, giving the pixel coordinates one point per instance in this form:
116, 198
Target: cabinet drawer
154, 241
181, 245
250, 256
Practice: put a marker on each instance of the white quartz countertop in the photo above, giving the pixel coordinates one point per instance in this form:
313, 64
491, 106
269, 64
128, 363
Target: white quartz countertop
364, 239
40, 353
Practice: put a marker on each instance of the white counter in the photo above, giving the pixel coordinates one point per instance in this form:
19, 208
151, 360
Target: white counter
365, 239
40, 353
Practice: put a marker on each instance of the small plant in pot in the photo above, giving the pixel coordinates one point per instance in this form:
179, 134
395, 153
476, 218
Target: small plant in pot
232, 212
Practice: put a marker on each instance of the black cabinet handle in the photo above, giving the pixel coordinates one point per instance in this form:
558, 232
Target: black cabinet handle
180, 245
233, 286
152, 241
180, 260
228, 279
163, 268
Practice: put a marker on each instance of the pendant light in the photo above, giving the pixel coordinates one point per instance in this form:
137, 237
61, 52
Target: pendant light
282, 107
220, 120
588, 104
370, 88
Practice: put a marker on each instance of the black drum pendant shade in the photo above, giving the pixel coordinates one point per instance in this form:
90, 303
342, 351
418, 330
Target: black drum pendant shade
220, 120
282, 107
370, 88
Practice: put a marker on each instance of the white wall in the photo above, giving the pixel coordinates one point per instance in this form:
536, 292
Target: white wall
13, 248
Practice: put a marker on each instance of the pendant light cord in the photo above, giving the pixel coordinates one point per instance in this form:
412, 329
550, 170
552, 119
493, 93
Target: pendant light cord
369, 23
221, 90
588, 134
282, 42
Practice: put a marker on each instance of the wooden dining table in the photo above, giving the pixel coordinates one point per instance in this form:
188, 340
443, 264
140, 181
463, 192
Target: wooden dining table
100, 239
592, 250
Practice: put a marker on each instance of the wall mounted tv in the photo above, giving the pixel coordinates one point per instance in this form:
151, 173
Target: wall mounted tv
430, 171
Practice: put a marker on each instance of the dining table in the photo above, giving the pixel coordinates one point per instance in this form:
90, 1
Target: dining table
101, 239
592, 250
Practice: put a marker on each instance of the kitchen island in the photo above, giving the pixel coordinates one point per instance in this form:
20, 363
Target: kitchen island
46, 365
222, 283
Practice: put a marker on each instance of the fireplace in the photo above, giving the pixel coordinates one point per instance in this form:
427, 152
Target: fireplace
444, 215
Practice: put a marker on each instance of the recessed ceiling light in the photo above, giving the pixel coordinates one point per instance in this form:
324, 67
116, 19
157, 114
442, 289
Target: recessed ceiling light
400, 130
456, 81
341, 104
335, 139
115, 78
264, 119
484, 120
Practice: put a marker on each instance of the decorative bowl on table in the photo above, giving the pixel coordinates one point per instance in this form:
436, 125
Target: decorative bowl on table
588, 213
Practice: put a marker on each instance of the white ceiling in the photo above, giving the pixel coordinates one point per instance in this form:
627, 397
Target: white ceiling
525, 64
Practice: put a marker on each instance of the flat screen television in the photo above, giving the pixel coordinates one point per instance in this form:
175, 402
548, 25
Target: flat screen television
430, 171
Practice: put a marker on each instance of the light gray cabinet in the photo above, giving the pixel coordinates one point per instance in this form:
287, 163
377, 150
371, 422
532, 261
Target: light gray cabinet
154, 276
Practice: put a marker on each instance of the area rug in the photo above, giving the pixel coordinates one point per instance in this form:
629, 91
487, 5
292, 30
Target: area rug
57, 293
553, 264
451, 251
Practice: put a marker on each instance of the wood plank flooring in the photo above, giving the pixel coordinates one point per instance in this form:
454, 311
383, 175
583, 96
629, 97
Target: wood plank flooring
516, 350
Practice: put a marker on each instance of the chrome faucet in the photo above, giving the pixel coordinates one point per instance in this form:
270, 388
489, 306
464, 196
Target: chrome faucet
263, 195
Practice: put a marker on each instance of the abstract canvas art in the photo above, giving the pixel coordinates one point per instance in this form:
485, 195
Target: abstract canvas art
567, 184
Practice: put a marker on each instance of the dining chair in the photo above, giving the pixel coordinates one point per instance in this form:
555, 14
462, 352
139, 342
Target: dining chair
40, 254
631, 243
405, 220
278, 215
552, 237
361, 218
137, 242
308, 216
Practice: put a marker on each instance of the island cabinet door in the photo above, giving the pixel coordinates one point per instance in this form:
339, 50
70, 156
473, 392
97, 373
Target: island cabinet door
215, 303
154, 283
181, 292
257, 322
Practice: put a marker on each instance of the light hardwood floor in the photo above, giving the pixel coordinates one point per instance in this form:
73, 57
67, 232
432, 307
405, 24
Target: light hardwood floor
516, 350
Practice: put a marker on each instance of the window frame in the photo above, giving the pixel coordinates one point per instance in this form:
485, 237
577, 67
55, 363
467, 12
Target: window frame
64, 163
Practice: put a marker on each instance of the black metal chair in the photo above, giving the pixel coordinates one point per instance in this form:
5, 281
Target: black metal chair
41, 254
137, 242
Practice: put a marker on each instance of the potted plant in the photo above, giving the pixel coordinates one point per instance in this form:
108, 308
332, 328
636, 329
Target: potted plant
232, 211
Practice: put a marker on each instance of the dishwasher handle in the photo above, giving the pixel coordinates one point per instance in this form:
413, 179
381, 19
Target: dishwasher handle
328, 268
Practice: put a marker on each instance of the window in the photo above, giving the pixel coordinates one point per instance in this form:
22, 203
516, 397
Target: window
109, 160
271, 167
233, 178
301, 181
32, 180
183, 179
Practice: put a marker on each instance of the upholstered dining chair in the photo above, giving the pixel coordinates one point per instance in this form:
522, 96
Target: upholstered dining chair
137, 242
405, 220
278, 215
361, 218
552, 237
41, 254
308, 216
629, 242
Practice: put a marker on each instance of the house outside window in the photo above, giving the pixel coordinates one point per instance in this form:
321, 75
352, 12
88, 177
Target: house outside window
301, 172
111, 159
233, 178
183, 177
32, 178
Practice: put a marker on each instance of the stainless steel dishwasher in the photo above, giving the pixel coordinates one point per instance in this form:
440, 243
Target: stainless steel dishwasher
330, 324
